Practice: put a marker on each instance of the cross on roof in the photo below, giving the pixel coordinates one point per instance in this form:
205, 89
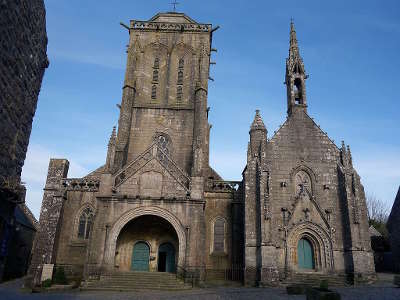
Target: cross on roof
175, 4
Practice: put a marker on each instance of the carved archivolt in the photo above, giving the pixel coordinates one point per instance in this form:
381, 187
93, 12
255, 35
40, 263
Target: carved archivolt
320, 240
143, 211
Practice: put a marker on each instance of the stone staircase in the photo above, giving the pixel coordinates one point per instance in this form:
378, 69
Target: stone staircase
133, 281
314, 279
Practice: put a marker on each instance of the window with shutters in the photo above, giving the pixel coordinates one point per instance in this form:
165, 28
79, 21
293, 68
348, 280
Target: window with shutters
180, 77
219, 235
155, 75
181, 63
156, 63
154, 92
179, 94
85, 223
155, 78
179, 88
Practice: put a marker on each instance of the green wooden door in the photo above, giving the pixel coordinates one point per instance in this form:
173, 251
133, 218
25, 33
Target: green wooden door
305, 254
140, 257
166, 256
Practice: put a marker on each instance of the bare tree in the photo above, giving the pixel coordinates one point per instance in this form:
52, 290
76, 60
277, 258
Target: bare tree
377, 209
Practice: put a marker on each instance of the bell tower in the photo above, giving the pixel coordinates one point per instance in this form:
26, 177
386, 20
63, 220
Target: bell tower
164, 97
295, 79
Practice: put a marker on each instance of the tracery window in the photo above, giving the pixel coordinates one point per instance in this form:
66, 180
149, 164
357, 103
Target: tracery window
219, 235
303, 183
85, 223
164, 144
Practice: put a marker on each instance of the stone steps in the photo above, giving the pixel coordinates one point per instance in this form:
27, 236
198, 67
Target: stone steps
315, 279
133, 281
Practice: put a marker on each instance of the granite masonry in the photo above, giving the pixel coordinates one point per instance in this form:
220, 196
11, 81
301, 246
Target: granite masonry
157, 205
23, 61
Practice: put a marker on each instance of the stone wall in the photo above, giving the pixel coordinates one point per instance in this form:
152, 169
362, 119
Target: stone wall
22, 63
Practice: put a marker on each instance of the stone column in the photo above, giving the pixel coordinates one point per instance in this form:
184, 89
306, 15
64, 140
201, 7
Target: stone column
200, 128
44, 251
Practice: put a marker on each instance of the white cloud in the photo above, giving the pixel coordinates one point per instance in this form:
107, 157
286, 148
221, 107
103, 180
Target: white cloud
106, 60
34, 174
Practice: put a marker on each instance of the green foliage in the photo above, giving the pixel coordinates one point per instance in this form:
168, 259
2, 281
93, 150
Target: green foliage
46, 283
379, 226
323, 285
59, 276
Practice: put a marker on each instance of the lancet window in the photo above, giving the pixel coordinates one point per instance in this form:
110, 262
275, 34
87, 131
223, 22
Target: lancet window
219, 235
85, 223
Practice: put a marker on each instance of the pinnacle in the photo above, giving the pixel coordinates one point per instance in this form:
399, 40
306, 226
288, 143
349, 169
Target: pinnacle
113, 136
258, 123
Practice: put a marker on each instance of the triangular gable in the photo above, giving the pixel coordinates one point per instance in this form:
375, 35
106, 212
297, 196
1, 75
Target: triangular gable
284, 126
153, 153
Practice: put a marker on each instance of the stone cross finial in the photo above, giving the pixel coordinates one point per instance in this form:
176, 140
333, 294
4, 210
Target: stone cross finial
175, 4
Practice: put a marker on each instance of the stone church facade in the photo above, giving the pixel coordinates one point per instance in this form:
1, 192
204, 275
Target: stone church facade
157, 205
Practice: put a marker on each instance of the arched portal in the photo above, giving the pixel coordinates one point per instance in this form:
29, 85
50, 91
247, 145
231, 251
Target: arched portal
142, 241
113, 256
166, 258
305, 254
304, 238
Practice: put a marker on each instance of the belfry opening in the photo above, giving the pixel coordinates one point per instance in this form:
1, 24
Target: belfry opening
147, 243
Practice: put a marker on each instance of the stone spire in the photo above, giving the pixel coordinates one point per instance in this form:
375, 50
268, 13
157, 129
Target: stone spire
258, 123
258, 135
111, 151
113, 137
295, 75
294, 47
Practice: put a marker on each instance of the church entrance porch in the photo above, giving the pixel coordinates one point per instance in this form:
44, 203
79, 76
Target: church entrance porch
147, 243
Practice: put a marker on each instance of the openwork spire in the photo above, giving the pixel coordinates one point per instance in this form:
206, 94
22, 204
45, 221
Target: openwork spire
294, 63
295, 75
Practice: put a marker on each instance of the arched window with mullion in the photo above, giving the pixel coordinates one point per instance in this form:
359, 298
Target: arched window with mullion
219, 235
85, 223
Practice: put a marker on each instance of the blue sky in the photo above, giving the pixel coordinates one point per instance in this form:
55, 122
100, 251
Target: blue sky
350, 50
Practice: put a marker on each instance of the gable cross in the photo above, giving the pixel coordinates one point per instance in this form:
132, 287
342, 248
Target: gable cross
175, 4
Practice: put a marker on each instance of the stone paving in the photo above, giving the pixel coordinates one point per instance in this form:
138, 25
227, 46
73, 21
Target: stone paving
381, 290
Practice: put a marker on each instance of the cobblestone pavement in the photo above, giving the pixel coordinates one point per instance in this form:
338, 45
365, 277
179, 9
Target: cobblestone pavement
385, 291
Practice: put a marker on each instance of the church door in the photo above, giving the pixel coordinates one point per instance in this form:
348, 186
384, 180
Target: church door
305, 254
166, 258
140, 257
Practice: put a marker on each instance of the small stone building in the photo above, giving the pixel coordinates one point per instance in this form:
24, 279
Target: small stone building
157, 205
23, 60
393, 225
21, 243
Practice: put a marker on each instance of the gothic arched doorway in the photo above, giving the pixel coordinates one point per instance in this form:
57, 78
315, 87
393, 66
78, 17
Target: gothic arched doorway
166, 258
140, 257
305, 254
